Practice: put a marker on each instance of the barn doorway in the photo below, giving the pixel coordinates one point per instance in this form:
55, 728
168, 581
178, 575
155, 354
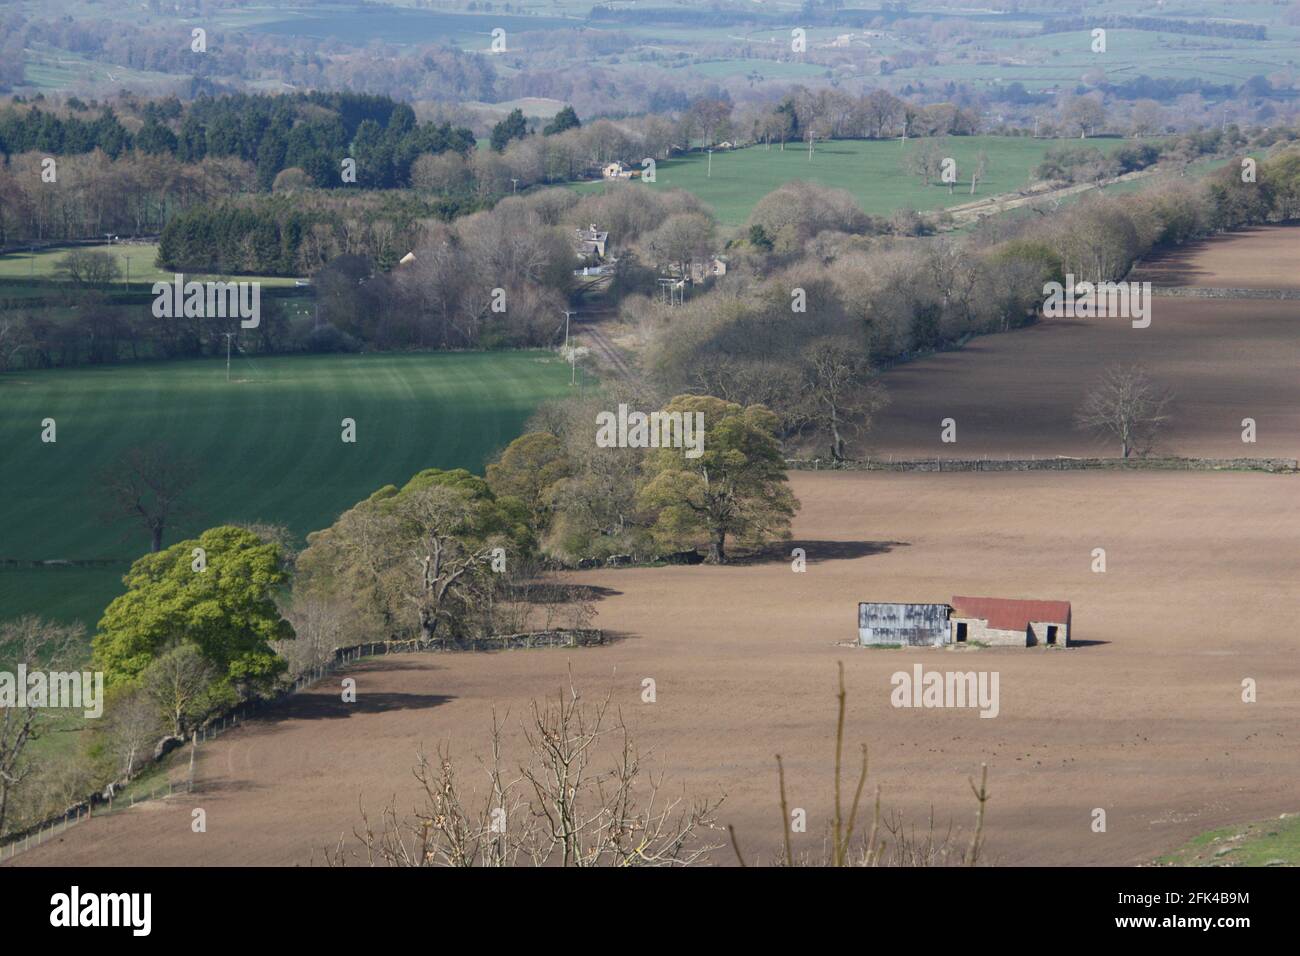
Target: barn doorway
1051, 634
961, 633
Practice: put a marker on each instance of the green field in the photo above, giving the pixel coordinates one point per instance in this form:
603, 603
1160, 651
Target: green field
135, 260
1265, 843
1063, 58
389, 24
267, 445
51, 69
873, 170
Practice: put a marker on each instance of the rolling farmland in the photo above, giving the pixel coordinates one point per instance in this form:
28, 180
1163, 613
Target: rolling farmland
874, 171
267, 445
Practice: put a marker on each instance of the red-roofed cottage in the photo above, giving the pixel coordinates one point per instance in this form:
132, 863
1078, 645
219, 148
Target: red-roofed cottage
1010, 623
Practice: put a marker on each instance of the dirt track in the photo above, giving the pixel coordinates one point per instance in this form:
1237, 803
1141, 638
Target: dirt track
1146, 721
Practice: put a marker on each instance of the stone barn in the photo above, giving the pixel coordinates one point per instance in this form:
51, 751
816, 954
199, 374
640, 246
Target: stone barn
1010, 623
917, 625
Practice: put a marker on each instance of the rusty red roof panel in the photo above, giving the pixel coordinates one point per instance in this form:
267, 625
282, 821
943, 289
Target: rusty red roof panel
1006, 614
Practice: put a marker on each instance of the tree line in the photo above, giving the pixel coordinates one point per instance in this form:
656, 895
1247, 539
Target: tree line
816, 301
312, 132
448, 557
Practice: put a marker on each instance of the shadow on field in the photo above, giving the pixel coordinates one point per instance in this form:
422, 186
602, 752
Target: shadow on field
1175, 267
818, 551
330, 706
554, 592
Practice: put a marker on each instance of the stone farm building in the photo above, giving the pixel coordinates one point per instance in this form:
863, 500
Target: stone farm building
994, 621
1010, 623
590, 242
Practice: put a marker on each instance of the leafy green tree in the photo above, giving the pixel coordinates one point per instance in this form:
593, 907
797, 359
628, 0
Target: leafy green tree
222, 601
735, 489
513, 126
155, 138
565, 119
758, 238
528, 470
417, 560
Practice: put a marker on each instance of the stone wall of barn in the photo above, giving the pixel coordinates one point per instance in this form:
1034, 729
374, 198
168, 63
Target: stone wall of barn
977, 629
1039, 629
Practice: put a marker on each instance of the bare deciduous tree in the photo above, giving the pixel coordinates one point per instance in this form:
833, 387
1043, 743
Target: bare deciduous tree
31, 643
177, 683
150, 484
840, 397
926, 161
981, 168
1084, 113
562, 806
890, 840
1128, 406
89, 268
133, 726
319, 622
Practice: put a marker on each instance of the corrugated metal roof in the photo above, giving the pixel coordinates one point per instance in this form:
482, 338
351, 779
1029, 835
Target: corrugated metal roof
1006, 614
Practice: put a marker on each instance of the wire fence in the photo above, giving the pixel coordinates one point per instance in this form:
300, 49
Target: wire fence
52, 829
115, 799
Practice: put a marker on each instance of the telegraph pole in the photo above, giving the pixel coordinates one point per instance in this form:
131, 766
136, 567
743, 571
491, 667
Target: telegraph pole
573, 371
229, 336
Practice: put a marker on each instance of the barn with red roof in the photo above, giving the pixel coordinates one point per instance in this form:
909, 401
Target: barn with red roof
1009, 623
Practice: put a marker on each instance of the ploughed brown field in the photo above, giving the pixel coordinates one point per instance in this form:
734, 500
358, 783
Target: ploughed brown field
1016, 394
1144, 720
1261, 257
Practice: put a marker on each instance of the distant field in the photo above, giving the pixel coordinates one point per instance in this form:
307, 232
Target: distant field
873, 170
1044, 60
1224, 359
986, 49
267, 444
51, 69
759, 69
356, 24
531, 106
135, 260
